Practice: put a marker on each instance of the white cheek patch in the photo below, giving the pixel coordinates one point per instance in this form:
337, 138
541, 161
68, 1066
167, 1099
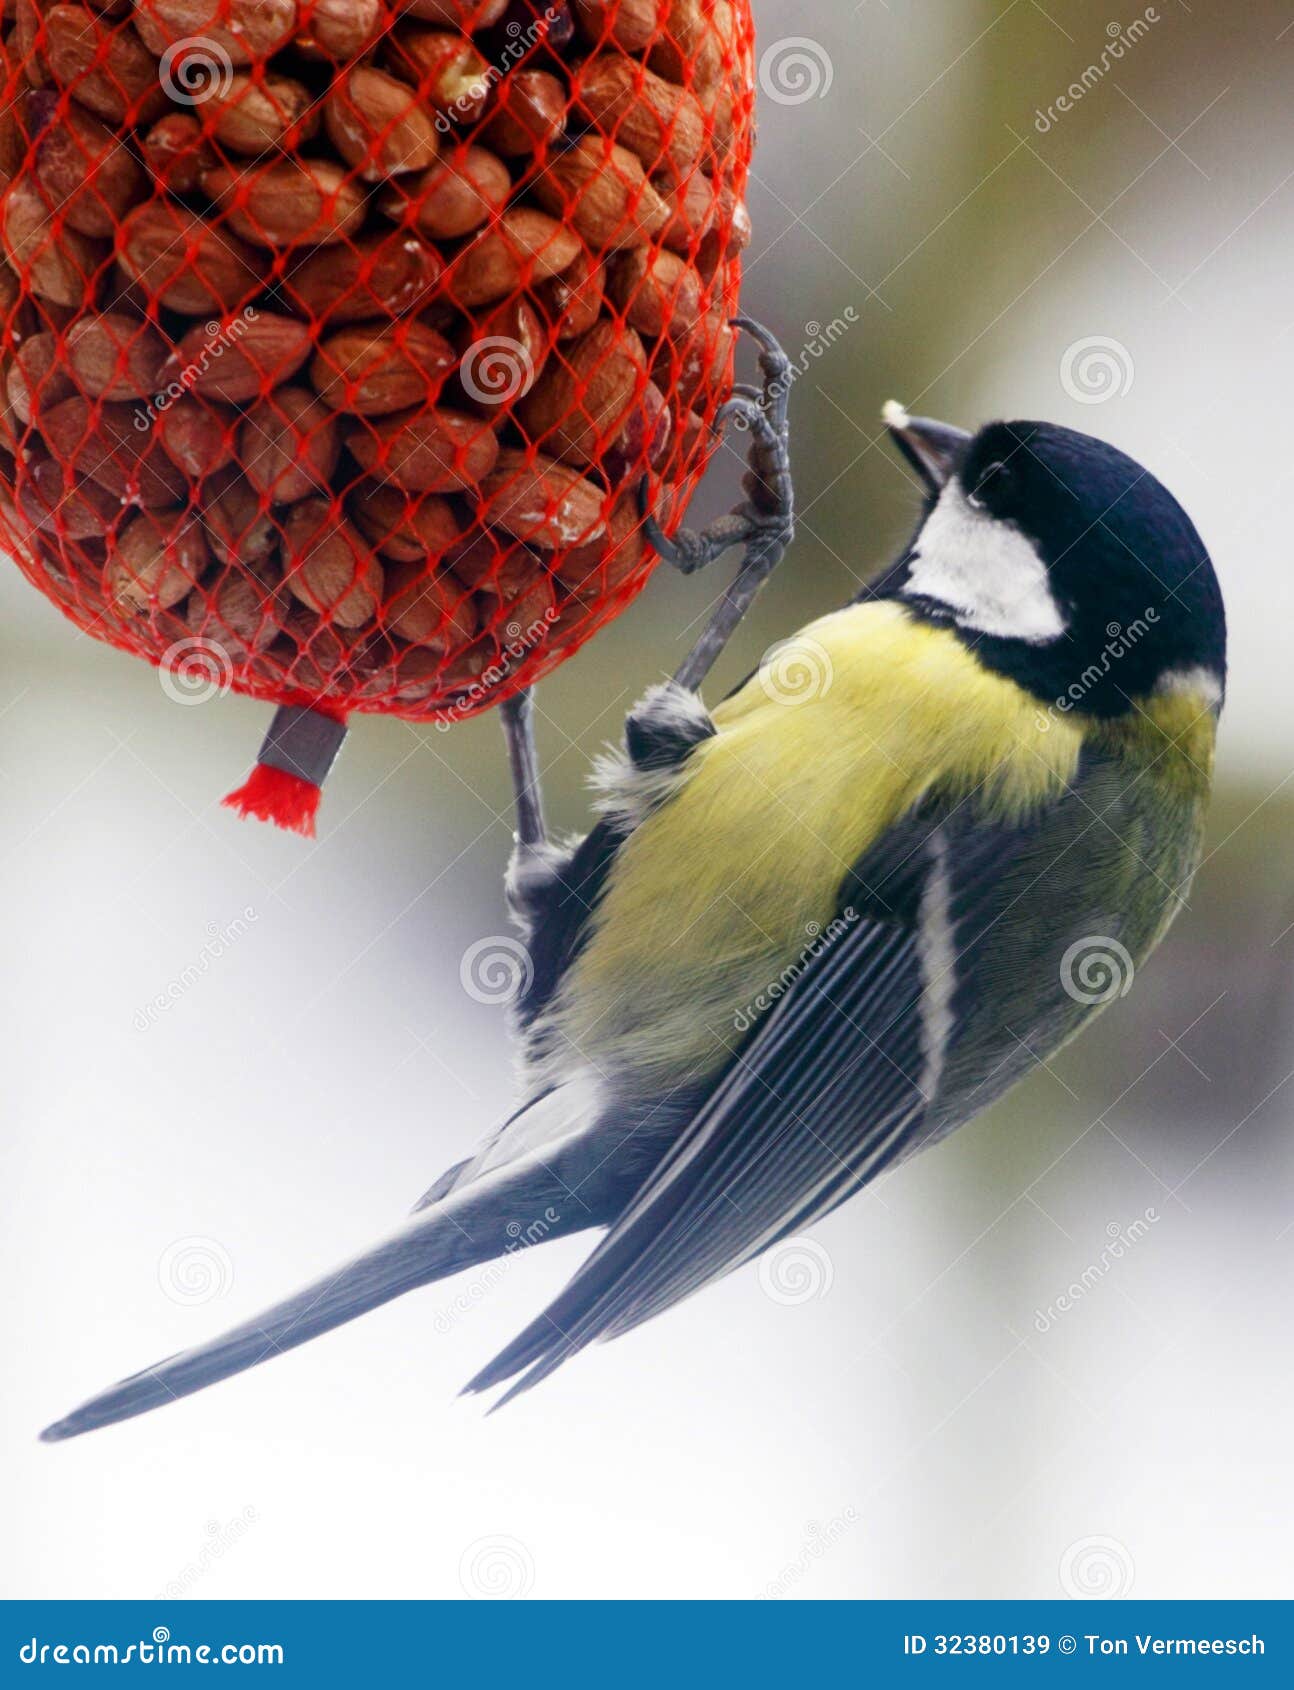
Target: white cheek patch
985, 571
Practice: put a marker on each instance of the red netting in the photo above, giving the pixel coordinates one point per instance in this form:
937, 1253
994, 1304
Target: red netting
339, 335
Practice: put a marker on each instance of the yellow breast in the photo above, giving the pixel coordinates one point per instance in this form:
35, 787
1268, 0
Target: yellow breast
724, 893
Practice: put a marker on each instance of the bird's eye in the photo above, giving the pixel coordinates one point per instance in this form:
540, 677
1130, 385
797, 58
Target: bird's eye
987, 477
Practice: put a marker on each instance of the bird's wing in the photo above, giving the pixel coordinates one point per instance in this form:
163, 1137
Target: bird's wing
851, 1070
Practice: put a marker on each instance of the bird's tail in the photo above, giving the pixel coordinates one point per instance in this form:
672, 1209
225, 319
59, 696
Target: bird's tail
509, 1208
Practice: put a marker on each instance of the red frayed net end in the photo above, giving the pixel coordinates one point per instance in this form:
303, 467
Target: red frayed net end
273, 795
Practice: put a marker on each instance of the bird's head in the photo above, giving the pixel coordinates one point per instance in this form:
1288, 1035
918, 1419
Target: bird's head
1065, 564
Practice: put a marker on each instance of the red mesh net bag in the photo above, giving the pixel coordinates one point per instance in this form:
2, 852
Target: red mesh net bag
340, 337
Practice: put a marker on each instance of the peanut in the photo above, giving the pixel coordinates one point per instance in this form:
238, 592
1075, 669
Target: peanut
73, 510
37, 377
403, 528
241, 612
427, 608
176, 152
83, 168
55, 262
158, 557
196, 436
372, 371
240, 528
377, 125
584, 397
104, 65
338, 29
384, 275
289, 445
529, 116
601, 190
243, 360
663, 124
101, 440
445, 68
426, 451
291, 203
456, 196
503, 354
257, 113
536, 499
523, 248
244, 31
629, 24
113, 356
185, 263
658, 293
572, 302
328, 567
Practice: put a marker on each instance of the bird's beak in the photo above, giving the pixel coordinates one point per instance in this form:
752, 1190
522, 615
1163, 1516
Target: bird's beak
934, 449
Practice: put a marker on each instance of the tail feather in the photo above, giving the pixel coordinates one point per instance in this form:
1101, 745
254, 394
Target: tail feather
470, 1226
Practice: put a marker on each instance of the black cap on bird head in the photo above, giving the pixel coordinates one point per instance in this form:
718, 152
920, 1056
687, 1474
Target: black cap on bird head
1064, 563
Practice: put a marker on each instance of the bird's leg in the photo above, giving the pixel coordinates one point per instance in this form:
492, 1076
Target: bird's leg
763, 524
518, 714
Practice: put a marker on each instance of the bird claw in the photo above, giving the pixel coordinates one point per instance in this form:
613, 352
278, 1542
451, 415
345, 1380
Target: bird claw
767, 516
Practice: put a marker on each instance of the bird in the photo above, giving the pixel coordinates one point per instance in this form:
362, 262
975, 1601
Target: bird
820, 926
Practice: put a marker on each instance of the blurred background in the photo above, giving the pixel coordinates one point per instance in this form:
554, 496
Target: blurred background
1053, 1356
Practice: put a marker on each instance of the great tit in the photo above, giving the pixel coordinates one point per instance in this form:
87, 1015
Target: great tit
821, 926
